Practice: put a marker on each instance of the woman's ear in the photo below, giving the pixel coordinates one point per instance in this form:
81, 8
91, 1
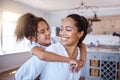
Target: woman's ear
81, 34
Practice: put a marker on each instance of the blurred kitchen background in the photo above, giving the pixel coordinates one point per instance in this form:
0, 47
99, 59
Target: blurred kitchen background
103, 39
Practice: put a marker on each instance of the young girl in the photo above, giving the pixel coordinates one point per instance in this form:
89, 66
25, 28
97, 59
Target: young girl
37, 31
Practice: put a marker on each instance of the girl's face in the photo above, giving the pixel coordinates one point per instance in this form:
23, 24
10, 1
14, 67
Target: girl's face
69, 33
43, 35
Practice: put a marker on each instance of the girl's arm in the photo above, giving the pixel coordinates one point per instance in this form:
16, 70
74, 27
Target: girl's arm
83, 54
49, 56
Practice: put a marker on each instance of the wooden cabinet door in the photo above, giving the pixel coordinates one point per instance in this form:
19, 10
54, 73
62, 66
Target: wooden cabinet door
97, 27
117, 24
106, 25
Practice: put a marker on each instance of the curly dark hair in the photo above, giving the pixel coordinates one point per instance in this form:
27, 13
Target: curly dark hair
27, 26
81, 24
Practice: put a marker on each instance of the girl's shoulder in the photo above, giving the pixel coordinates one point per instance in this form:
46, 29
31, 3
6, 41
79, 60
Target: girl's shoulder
54, 46
32, 44
55, 39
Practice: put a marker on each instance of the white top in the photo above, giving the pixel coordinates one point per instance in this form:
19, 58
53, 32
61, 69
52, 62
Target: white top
48, 70
33, 44
59, 70
32, 67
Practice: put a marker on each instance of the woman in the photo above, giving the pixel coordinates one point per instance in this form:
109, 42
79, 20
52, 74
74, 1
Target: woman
72, 33
37, 29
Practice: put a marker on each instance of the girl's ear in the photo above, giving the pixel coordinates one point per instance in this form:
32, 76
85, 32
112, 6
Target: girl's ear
81, 34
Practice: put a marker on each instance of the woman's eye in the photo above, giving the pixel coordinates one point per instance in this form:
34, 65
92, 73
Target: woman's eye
61, 29
68, 29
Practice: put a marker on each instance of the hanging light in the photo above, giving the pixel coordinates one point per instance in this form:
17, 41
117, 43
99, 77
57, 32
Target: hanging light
91, 20
84, 8
95, 18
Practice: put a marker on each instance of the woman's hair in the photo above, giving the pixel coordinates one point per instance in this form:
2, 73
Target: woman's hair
27, 26
81, 23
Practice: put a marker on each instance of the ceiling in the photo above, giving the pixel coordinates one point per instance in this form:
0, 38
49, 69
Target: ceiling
56, 5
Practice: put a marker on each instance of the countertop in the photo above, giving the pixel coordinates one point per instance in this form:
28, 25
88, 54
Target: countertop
102, 50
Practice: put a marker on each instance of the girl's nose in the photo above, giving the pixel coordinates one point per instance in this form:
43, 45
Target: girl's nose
48, 32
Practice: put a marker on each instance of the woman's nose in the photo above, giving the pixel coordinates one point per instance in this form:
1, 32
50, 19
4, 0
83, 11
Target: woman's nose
62, 33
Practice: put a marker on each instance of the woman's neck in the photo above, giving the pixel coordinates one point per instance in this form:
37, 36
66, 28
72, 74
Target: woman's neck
72, 51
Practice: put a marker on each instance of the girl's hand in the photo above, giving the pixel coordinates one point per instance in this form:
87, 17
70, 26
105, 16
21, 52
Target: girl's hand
80, 65
76, 65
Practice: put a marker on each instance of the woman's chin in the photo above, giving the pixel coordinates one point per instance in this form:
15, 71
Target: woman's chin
63, 43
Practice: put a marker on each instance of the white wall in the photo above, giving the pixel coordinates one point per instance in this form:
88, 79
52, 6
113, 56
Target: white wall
11, 5
54, 18
11, 61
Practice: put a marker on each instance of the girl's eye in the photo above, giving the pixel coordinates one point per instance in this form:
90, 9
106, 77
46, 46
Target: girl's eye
41, 32
48, 28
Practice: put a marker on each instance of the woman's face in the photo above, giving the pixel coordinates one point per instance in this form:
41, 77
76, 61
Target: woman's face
43, 35
69, 33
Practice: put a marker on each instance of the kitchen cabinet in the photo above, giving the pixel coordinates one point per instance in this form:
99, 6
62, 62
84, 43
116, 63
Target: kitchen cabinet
107, 25
98, 27
112, 24
102, 66
117, 24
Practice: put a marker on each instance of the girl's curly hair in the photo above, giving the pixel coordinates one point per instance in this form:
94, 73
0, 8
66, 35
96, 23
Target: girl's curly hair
27, 26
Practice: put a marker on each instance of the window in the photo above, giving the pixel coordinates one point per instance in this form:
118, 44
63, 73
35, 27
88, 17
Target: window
8, 41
